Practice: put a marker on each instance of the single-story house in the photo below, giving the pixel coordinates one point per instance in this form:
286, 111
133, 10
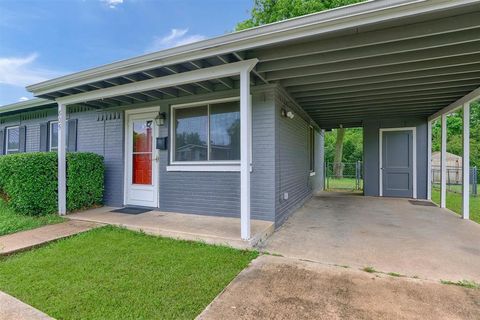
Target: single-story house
233, 126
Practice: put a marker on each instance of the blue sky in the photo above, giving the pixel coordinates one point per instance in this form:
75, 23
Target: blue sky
44, 39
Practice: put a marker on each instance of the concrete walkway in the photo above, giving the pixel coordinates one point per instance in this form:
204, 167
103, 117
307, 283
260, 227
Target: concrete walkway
209, 229
14, 309
390, 235
31, 238
283, 288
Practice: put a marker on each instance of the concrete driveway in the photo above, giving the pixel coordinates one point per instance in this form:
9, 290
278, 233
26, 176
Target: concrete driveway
390, 235
285, 288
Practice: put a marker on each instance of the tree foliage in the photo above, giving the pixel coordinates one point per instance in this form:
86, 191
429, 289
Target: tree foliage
268, 11
455, 134
352, 145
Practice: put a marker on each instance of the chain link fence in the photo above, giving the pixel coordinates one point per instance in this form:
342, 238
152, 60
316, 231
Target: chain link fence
344, 176
454, 179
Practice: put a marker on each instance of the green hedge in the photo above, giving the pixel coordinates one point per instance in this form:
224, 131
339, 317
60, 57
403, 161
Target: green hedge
28, 181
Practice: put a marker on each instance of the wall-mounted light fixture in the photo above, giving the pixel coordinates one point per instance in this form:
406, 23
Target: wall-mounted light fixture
160, 119
288, 114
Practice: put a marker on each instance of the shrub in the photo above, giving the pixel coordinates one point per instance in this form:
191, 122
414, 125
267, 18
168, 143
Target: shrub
28, 181
85, 173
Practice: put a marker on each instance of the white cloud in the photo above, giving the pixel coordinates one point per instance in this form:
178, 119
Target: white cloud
21, 71
112, 3
23, 99
175, 38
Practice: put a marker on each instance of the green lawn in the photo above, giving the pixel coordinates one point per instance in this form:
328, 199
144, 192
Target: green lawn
11, 221
454, 203
343, 184
112, 273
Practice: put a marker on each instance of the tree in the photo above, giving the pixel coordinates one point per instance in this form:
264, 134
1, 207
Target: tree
268, 11
337, 160
455, 131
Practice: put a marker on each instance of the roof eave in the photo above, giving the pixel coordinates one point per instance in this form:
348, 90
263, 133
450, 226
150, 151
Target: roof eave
314, 24
32, 103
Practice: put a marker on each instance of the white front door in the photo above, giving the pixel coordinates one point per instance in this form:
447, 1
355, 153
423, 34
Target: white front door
142, 160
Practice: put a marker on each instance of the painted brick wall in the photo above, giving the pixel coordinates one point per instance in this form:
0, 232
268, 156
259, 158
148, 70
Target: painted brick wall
102, 133
292, 161
218, 193
32, 122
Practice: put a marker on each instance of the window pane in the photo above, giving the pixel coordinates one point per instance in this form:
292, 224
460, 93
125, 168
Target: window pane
225, 131
54, 136
142, 136
191, 134
13, 139
142, 169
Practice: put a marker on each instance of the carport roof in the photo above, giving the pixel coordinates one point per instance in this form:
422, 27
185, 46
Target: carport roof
378, 59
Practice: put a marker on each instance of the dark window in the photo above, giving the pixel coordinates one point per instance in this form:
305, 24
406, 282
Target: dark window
53, 136
13, 140
207, 133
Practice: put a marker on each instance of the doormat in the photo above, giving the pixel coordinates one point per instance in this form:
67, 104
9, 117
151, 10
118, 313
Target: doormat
422, 203
131, 210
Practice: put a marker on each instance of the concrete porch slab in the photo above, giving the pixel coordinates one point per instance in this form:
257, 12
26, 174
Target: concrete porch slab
212, 230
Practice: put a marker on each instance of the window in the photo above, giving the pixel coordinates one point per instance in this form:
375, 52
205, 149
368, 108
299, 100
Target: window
53, 143
312, 148
13, 140
209, 132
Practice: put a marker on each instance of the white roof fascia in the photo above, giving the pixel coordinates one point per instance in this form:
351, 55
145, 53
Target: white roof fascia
314, 24
468, 98
221, 71
32, 103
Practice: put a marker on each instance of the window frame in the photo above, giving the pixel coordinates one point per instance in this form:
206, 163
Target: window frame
50, 136
172, 133
311, 149
6, 140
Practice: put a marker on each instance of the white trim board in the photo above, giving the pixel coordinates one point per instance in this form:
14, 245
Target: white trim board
205, 168
414, 154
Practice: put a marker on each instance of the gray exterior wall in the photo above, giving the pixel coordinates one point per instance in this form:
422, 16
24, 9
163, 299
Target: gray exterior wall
280, 158
102, 132
91, 137
292, 161
218, 193
32, 122
371, 153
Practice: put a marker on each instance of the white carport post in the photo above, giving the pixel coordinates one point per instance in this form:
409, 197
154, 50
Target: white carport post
466, 162
429, 160
443, 163
62, 159
245, 152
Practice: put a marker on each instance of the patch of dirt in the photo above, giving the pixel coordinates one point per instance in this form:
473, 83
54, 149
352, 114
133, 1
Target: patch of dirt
283, 288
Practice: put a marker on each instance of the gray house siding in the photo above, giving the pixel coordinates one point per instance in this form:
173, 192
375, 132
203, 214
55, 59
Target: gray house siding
280, 157
218, 193
292, 161
371, 153
102, 133
31, 120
